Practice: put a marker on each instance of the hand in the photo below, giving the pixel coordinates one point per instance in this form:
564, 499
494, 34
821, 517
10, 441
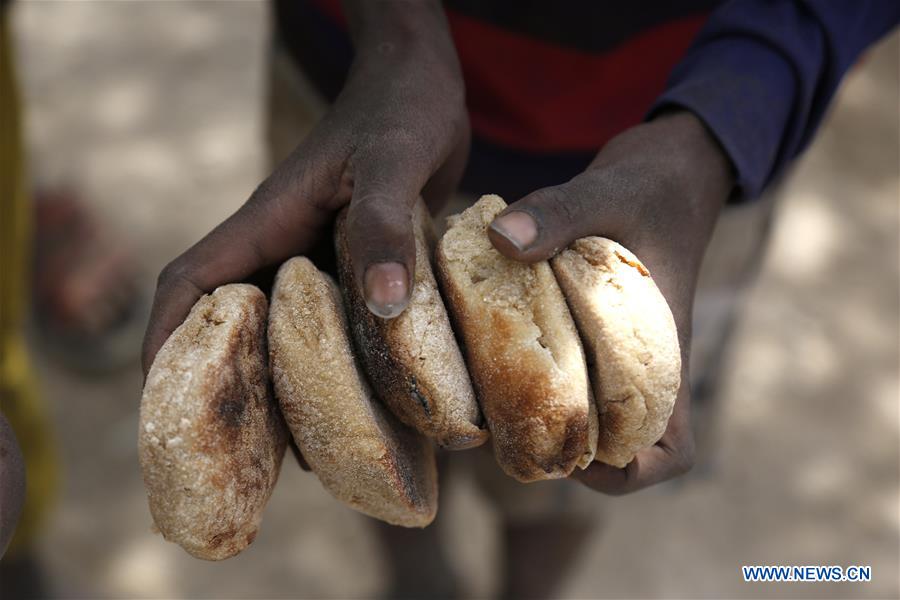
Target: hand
657, 189
399, 128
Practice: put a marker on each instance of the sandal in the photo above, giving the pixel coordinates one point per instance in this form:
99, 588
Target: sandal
89, 310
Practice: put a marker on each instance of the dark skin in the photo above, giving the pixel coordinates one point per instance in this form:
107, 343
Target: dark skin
657, 189
400, 128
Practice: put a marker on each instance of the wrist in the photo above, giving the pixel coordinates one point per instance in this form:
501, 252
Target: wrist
667, 180
400, 28
700, 161
408, 36
702, 176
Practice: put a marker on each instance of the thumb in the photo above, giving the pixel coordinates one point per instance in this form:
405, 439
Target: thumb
544, 222
379, 235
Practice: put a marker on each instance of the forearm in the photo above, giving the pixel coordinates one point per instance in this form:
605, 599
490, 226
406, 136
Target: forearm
670, 178
701, 175
657, 189
701, 178
760, 76
385, 26
405, 36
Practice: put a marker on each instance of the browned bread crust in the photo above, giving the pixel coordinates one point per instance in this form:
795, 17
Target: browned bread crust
211, 439
413, 360
630, 340
361, 453
522, 350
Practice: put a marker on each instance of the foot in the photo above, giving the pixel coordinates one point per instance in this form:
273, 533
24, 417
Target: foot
539, 554
418, 567
88, 307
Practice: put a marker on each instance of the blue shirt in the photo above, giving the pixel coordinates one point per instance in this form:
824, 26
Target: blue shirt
761, 75
549, 83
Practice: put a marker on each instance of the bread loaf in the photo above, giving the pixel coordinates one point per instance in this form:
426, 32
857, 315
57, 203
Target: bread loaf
413, 361
522, 349
211, 439
630, 340
360, 452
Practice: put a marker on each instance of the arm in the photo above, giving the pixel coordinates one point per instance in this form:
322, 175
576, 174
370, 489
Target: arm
761, 75
746, 99
398, 129
657, 189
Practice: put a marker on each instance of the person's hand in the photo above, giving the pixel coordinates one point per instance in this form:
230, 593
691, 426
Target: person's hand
399, 128
656, 189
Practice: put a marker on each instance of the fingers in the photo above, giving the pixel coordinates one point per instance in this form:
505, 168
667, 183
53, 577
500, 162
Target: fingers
671, 456
282, 218
651, 466
535, 227
546, 221
382, 250
380, 234
446, 179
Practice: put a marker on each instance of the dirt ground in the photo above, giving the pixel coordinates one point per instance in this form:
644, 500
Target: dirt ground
155, 109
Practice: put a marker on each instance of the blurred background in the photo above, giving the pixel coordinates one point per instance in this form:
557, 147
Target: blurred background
153, 113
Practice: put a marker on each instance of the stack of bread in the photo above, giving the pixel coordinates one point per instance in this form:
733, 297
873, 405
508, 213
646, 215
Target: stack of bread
559, 363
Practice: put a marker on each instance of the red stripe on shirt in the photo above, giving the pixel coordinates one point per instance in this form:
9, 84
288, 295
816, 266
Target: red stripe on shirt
537, 96
540, 97
333, 9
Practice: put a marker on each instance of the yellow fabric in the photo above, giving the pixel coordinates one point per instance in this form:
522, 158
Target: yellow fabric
19, 398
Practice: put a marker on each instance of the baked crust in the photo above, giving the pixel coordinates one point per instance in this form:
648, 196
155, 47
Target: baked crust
360, 452
522, 349
413, 360
630, 340
211, 440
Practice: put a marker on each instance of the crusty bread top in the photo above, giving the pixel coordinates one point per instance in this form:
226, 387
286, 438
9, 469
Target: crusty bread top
630, 339
210, 438
360, 452
522, 349
413, 360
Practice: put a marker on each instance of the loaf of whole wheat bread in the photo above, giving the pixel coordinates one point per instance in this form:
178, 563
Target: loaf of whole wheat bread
413, 360
522, 349
631, 343
211, 439
360, 452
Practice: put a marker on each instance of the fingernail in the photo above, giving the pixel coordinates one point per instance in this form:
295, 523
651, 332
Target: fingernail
386, 289
518, 227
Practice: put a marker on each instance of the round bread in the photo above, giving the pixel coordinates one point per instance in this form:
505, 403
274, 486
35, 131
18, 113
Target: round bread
630, 340
413, 360
211, 439
360, 452
522, 350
